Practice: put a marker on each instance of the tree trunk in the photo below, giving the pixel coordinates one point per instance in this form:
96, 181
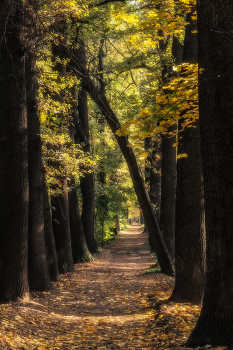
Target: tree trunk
168, 191
118, 227
135, 172
168, 163
87, 181
50, 248
38, 274
189, 246
13, 155
80, 250
215, 57
155, 178
61, 231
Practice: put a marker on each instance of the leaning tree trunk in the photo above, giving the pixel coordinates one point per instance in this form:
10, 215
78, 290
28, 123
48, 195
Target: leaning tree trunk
50, 248
134, 169
189, 245
215, 57
61, 231
86, 181
38, 274
13, 155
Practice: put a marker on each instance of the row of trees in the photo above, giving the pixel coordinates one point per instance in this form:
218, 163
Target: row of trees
125, 57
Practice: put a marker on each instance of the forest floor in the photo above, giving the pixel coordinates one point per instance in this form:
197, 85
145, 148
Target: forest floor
111, 303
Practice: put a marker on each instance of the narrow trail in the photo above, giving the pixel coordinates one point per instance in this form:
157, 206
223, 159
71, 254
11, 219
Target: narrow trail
99, 306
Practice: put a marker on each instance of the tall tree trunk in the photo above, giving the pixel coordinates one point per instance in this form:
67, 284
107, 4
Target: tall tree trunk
80, 250
87, 181
50, 248
61, 231
155, 178
189, 246
168, 191
38, 274
168, 164
135, 172
13, 155
215, 58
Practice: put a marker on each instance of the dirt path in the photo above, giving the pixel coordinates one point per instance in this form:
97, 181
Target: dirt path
99, 306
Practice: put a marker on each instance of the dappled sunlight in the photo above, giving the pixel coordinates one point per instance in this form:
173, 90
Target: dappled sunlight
100, 305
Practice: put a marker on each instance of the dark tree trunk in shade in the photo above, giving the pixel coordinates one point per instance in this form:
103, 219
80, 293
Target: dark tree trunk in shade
87, 181
155, 178
14, 195
215, 57
168, 191
134, 169
189, 245
141, 218
147, 146
80, 250
50, 248
61, 231
38, 274
168, 166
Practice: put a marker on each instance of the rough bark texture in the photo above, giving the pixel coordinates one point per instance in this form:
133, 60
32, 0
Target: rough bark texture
80, 250
155, 178
87, 181
135, 172
215, 56
168, 162
38, 274
50, 248
189, 245
61, 231
13, 155
168, 191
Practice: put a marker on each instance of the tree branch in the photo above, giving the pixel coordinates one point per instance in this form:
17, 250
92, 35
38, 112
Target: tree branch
106, 2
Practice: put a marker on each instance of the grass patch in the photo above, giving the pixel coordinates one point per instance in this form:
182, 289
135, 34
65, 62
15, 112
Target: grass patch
152, 269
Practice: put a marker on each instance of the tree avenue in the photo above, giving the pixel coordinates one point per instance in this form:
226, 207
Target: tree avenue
111, 111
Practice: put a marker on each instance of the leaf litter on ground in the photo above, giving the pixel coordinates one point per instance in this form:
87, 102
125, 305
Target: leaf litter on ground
105, 304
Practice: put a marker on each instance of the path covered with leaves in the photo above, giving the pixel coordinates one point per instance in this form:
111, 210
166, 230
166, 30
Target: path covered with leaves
107, 304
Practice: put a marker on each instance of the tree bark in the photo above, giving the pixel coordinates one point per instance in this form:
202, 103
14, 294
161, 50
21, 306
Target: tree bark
215, 57
168, 191
189, 245
61, 231
50, 248
135, 172
80, 250
86, 181
168, 162
155, 178
13, 155
38, 274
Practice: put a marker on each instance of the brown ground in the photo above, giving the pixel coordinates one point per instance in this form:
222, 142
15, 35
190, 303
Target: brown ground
107, 304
